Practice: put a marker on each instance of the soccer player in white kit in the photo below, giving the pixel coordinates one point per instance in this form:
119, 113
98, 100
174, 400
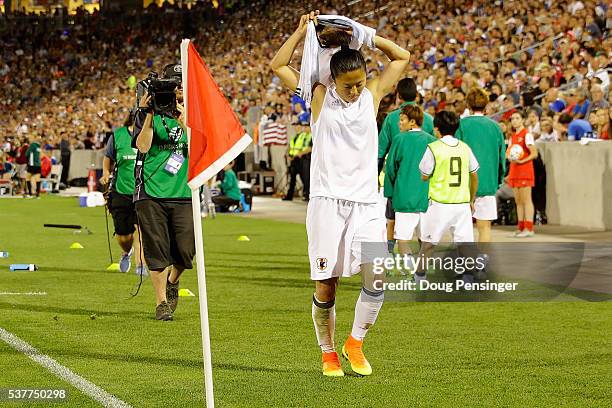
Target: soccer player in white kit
345, 209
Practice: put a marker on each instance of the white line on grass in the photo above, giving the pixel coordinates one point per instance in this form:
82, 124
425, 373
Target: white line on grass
23, 293
64, 373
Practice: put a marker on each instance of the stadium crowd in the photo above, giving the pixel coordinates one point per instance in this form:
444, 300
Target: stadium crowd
72, 78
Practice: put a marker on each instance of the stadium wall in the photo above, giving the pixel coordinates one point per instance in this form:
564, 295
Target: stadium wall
578, 183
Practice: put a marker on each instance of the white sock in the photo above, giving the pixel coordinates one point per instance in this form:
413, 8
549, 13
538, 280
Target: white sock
366, 311
324, 319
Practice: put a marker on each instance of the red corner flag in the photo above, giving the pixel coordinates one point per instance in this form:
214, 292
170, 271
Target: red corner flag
216, 136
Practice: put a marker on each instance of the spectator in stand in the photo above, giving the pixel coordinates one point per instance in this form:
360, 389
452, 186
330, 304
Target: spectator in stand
598, 100
55, 75
600, 120
544, 84
533, 122
575, 129
301, 114
547, 132
581, 108
508, 107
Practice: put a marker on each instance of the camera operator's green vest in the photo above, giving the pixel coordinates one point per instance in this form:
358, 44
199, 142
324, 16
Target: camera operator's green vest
125, 158
168, 138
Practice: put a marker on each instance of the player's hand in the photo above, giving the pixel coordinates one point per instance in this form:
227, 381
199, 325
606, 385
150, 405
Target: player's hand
105, 179
144, 101
305, 19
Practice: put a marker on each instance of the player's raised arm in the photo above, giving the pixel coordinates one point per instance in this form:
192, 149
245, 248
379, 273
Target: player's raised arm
280, 63
400, 58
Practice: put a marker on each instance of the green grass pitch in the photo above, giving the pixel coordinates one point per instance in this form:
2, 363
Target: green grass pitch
555, 354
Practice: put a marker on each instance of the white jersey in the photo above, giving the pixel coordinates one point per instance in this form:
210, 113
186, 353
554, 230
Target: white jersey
344, 149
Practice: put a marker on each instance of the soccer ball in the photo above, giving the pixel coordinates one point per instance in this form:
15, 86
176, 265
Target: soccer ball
516, 152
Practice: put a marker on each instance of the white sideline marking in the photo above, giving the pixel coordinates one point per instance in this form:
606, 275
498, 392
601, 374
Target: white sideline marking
64, 373
23, 293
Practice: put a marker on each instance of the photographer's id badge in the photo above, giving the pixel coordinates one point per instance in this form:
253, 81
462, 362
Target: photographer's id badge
174, 163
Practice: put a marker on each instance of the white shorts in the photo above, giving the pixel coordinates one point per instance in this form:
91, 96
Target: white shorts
485, 208
336, 229
22, 171
406, 224
440, 218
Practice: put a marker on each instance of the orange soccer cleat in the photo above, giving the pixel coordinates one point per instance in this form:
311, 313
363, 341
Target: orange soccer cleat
331, 365
353, 353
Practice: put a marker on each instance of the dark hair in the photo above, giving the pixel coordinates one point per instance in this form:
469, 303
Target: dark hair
413, 112
565, 119
547, 80
447, 122
407, 89
346, 60
534, 110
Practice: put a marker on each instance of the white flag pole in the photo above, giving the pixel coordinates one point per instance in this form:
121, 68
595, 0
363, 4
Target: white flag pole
199, 245
201, 273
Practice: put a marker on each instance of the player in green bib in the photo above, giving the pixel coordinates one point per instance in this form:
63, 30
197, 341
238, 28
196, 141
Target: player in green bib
407, 90
403, 184
163, 198
118, 166
486, 139
450, 167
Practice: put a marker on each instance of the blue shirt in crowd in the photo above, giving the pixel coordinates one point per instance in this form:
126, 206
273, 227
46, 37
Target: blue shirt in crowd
582, 109
577, 128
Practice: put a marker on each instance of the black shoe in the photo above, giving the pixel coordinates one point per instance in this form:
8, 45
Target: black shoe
172, 290
288, 199
163, 312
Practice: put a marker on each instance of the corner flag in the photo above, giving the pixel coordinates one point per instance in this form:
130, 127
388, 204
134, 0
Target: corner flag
217, 136
215, 139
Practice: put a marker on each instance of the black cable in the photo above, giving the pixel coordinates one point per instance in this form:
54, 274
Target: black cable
140, 251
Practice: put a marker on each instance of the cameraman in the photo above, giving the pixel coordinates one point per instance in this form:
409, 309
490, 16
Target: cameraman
163, 199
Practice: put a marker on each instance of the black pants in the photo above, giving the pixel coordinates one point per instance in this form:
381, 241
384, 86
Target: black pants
167, 233
305, 175
538, 193
224, 202
301, 166
65, 162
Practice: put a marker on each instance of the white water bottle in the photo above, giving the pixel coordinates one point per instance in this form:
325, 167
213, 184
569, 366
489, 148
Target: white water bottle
23, 267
